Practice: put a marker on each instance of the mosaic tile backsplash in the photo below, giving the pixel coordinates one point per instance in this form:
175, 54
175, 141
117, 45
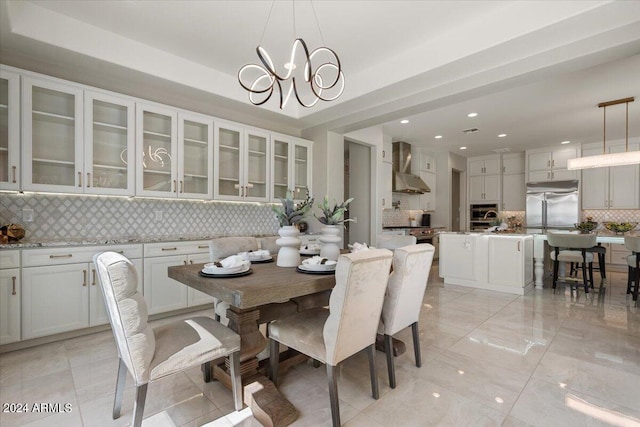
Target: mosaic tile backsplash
68, 217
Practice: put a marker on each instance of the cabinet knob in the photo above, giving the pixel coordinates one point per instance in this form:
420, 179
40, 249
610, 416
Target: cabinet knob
13, 285
518, 246
14, 174
84, 277
175, 186
93, 277
88, 179
79, 179
181, 186
169, 249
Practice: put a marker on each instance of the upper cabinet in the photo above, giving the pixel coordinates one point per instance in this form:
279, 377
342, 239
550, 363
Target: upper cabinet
243, 163
549, 164
52, 136
615, 187
109, 148
156, 151
513, 182
387, 152
9, 130
195, 156
291, 167
489, 165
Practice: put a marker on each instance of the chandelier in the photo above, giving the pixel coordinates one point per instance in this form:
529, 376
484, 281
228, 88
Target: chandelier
611, 159
309, 76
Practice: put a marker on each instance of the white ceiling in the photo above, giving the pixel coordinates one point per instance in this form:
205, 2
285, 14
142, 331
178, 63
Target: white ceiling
532, 69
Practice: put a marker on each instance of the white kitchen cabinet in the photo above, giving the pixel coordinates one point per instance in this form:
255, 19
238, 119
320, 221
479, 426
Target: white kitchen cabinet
485, 165
10, 294
162, 293
385, 179
387, 152
616, 187
510, 261
457, 256
60, 291
550, 164
427, 161
195, 156
484, 188
291, 167
109, 148
428, 200
514, 191
513, 163
52, 140
243, 163
9, 130
156, 151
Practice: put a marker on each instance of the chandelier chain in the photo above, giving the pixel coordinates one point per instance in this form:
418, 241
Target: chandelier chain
313, 8
264, 30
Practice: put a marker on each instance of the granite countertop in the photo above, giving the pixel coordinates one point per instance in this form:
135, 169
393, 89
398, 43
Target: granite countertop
29, 243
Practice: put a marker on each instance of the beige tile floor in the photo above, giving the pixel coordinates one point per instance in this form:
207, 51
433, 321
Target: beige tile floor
542, 359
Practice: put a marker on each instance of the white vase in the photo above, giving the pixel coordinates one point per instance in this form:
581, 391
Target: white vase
330, 238
289, 252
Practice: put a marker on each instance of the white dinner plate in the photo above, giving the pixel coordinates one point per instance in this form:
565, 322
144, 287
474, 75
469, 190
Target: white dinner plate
210, 268
317, 267
310, 251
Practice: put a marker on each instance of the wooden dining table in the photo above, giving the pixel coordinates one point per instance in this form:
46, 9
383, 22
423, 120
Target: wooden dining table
268, 293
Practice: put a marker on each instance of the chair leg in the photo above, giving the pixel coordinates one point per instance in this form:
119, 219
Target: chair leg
556, 265
416, 343
138, 406
206, 372
274, 360
236, 381
591, 274
388, 349
585, 281
122, 377
637, 288
371, 350
333, 395
629, 276
601, 266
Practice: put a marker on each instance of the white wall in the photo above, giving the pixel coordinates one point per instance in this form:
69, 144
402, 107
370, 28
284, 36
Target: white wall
360, 190
446, 162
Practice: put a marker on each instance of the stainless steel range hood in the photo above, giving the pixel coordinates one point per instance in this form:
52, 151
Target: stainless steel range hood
403, 180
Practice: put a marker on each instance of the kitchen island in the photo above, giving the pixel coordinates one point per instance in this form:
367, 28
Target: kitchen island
497, 262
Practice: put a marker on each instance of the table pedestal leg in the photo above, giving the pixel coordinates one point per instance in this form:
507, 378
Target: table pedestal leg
539, 272
267, 404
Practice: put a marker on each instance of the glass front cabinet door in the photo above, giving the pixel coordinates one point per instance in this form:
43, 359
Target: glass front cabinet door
291, 167
109, 145
9, 130
242, 156
195, 155
156, 151
52, 136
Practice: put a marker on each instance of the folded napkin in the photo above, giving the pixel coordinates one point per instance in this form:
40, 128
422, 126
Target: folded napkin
311, 247
232, 261
229, 264
316, 260
356, 247
255, 255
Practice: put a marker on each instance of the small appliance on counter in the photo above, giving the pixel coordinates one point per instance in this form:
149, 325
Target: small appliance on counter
426, 220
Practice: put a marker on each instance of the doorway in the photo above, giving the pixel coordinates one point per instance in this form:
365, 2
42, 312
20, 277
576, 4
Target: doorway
455, 200
357, 184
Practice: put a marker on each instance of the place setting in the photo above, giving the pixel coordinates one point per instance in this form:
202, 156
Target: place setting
317, 265
232, 266
261, 256
310, 250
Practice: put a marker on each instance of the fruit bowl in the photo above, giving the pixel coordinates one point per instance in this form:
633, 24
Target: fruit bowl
620, 227
586, 226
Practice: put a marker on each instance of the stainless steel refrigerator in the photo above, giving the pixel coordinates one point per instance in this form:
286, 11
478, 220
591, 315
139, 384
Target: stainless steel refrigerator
552, 205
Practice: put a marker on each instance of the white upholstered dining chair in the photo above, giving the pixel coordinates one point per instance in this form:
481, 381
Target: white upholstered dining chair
403, 300
223, 247
269, 243
392, 241
348, 326
572, 247
151, 354
632, 243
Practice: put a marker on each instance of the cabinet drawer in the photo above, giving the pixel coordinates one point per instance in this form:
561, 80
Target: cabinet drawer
9, 259
176, 248
74, 254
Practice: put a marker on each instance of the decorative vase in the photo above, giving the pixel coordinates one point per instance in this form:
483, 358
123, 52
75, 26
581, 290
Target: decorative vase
330, 239
289, 252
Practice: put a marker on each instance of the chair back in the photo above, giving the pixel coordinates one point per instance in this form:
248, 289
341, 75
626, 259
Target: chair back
632, 243
356, 303
269, 244
223, 247
571, 240
393, 242
127, 313
406, 287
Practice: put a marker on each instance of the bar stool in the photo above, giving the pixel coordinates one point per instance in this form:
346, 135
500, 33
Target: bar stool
602, 252
633, 244
573, 248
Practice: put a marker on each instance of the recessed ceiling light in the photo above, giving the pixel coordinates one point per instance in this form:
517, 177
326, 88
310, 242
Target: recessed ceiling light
463, 148
438, 137
502, 135
565, 142
472, 114
404, 121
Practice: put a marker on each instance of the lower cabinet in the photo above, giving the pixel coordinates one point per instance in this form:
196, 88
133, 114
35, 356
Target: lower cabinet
10, 294
60, 291
510, 261
457, 256
162, 293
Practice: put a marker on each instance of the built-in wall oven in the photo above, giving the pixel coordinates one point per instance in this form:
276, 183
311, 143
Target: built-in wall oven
481, 216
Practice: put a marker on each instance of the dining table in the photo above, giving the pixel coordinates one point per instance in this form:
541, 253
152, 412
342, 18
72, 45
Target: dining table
269, 292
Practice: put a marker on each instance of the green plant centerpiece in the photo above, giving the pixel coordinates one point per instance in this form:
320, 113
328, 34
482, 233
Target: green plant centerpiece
334, 215
291, 213
587, 226
288, 214
620, 227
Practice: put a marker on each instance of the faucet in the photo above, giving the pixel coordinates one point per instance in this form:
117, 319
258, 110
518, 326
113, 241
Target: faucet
490, 211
